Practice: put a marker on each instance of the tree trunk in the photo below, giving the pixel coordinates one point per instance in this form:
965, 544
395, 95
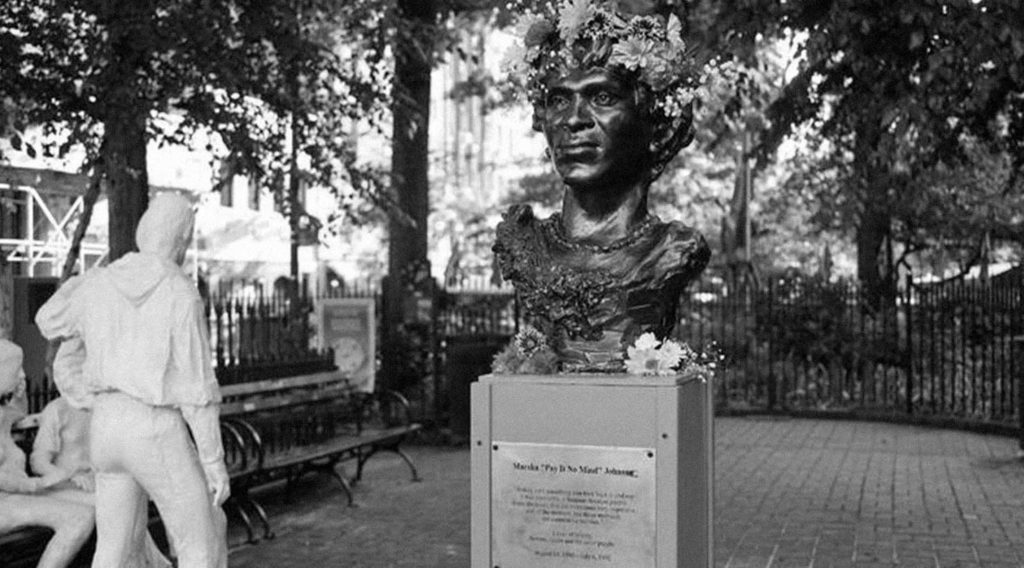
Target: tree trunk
6, 299
127, 180
124, 146
874, 262
874, 230
409, 160
407, 245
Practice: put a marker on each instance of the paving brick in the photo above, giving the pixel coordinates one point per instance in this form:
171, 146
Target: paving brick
788, 493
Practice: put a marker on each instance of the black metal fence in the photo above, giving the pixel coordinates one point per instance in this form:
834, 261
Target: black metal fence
253, 337
951, 351
261, 337
944, 352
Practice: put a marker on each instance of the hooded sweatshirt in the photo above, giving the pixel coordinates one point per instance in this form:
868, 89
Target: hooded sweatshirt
141, 319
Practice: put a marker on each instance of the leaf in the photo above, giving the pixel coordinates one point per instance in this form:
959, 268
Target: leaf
16, 142
30, 150
916, 39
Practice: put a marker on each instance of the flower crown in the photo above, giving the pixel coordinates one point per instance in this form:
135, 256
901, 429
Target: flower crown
650, 46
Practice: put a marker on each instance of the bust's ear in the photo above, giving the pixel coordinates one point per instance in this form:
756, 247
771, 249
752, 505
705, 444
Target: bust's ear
668, 138
538, 118
673, 135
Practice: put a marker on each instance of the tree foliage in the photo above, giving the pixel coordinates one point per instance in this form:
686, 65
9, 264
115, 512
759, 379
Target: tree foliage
918, 102
105, 74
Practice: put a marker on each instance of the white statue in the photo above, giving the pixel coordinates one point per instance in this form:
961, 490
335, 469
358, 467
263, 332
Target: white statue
149, 371
61, 448
25, 500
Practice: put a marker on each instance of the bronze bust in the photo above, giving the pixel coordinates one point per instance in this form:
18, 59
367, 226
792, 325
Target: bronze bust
612, 101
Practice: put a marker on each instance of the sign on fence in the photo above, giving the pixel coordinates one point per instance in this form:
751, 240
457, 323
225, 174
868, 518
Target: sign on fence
349, 327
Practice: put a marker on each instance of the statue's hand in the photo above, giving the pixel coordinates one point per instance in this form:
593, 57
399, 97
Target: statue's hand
52, 479
84, 481
218, 481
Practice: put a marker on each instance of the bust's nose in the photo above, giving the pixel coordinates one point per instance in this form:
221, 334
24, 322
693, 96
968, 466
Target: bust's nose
580, 115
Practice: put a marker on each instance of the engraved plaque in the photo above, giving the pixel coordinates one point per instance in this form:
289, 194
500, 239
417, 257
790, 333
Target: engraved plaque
563, 506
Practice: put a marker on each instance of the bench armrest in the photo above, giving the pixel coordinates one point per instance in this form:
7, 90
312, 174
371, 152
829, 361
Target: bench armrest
386, 408
248, 441
236, 458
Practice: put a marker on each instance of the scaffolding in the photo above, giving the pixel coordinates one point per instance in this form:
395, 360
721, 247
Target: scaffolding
36, 232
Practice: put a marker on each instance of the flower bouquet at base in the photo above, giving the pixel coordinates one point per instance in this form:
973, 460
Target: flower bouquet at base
650, 357
527, 354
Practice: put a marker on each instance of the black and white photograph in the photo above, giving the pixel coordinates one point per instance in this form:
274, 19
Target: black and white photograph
511, 283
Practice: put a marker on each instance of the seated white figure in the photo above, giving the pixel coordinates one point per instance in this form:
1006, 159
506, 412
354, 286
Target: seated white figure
61, 444
61, 448
27, 501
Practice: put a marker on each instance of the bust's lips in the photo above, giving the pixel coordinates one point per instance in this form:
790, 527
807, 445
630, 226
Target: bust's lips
576, 144
577, 149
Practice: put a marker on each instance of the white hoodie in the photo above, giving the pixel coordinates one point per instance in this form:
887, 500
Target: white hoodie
141, 318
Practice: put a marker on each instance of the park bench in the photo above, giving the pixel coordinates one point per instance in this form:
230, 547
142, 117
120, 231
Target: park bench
282, 429
272, 430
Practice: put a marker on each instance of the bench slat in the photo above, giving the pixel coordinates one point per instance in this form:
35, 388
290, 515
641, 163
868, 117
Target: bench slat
269, 385
283, 400
336, 446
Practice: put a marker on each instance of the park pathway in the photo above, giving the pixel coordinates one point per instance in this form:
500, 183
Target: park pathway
809, 493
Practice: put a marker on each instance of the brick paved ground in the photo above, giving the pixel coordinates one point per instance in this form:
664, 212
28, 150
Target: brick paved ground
789, 493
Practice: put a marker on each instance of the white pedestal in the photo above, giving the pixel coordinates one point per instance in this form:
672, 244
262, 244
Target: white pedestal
591, 471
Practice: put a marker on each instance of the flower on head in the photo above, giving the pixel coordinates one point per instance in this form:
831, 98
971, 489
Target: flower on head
538, 32
646, 27
575, 14
514, 62
650, 45
600, 24
659, 73
674, 32
632, 53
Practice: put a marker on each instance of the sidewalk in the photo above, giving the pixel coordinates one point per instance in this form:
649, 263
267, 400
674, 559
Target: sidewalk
788, 493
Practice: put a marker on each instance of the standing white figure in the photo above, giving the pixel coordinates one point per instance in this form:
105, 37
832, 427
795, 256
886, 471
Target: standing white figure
148, 366
31, 501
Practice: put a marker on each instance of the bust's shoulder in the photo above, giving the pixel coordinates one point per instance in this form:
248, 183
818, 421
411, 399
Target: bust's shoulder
519, 227
679, 236
520, 245
678, 249
519, 218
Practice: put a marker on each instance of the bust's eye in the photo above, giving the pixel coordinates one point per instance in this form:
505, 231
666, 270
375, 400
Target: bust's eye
605, 98
557, 101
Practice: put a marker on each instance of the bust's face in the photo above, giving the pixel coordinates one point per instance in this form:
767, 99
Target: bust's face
595, 130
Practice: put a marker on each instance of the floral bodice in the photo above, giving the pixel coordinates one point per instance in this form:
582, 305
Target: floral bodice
591, 301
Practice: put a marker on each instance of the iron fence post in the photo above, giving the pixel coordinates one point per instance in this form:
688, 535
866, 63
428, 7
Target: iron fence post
771, 350
909, 330
1017, 354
